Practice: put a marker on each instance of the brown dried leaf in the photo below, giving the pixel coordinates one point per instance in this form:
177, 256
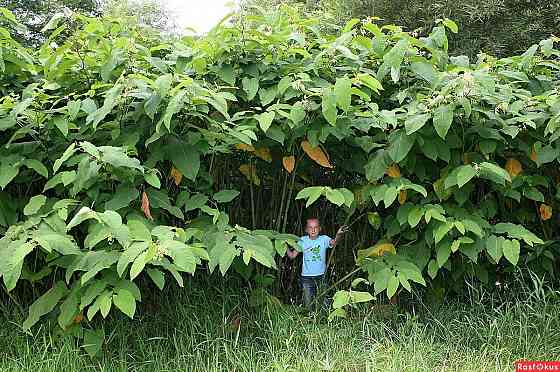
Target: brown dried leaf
402, 197
545, 211
393, 171
533, 154
317, 154
264, 154
176, 175
244, 147
250, 171
146, 206
513, 167
289, 163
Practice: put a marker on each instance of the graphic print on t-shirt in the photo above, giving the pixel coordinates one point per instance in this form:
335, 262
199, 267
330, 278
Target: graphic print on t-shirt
314, 255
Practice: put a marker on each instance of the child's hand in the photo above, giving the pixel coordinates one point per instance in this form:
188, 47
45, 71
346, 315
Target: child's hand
342, 230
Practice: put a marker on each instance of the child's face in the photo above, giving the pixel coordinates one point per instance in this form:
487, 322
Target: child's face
313, 228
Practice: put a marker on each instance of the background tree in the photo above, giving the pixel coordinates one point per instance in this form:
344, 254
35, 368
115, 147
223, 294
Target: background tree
499, 27
34, 15
151, 13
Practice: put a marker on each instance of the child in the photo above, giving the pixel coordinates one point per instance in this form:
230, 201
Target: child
314, 266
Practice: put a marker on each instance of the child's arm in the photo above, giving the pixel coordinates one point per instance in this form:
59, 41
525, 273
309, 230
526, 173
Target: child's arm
292, 253
339, 233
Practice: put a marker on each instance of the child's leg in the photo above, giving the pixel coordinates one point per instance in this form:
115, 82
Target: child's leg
309, 290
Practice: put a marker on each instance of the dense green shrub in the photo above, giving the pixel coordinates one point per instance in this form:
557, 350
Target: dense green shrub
120, 152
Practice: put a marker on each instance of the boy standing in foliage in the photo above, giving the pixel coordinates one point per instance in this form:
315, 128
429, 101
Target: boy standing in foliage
314, 266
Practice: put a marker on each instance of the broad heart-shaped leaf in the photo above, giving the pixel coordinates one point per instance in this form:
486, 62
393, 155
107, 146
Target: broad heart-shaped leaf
494, 247
130, 255
45, 304
7, 173
222, 253
377, 165
356, 296
297, 113
334, 196
465, 174
117, 157
392, 285
400, 145
138, 265
343, 92
265, 119
443, 252
415, 122
311, 194
511, 249
250, 86
341, 299
370, 82
122, 197
93, 341
186, 158
35, 203
225, 196
443, 117
83, 214
425, 70
433, 269
284, 84
415, 215
494, 173
226, 73
65, 156
37, 166
157, 277
259, 247
125, 302
267, 95
328, 105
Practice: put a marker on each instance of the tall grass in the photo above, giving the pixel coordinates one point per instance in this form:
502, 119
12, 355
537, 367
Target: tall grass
195, 329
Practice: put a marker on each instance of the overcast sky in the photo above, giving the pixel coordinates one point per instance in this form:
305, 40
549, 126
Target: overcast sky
201, 15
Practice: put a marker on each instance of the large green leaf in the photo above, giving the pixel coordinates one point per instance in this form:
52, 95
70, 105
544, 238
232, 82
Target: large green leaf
186, 158
415, 122
400, 146
343, 92
443, 117
125, 302
45, 304
328, 105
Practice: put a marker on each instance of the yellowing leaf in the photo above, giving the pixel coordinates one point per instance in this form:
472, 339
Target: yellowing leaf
146, 206
244, 147
545, 211
513, 167
393, 171
533, 154
317, 154
466, 159
176, 175
289, 163
402, 197
250, 171
264, 154
380, 248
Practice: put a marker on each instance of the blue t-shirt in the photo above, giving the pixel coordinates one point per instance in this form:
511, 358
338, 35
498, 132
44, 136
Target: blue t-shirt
314, 255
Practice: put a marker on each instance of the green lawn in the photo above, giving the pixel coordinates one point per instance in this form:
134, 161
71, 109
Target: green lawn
190, 330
